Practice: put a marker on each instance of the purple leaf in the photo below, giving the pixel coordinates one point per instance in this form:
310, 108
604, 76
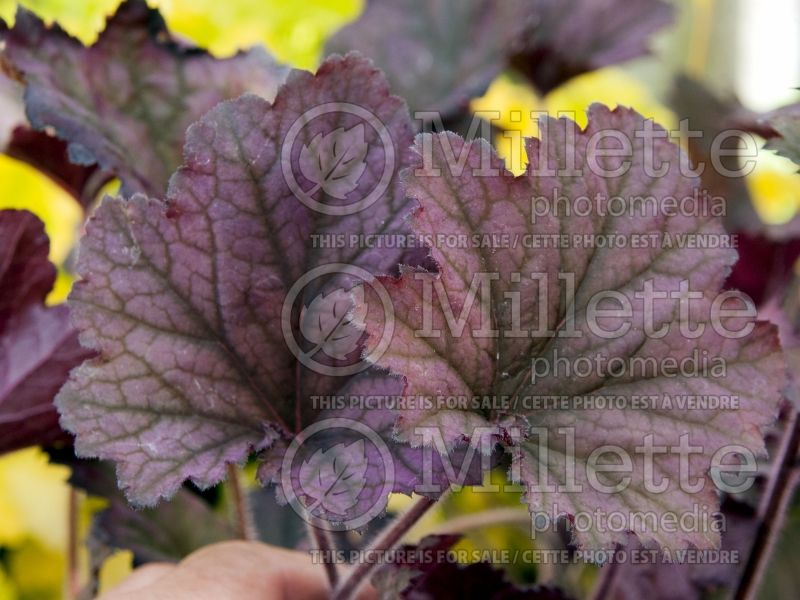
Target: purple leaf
329, 322
437, 54
568, 39
183, 299
390, 465
125, 102
334, 478
168, 532
37, 345
764, 267
496, 340
712, 115
41, 150
661, 575
50, 155
343, 153
26, 274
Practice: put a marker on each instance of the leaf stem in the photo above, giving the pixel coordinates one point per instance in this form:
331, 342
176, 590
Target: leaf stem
385, 541
243, 512
323, 541
782, 482
73, 540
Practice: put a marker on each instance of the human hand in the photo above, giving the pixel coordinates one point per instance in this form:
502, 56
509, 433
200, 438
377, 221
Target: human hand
231, 571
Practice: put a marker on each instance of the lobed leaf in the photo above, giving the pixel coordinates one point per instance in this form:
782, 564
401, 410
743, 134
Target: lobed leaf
465, 343
568, 39
183, 298
125, 102
437, 54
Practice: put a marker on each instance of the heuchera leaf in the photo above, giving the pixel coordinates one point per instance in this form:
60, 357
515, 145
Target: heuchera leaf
41, 150
408, 462
168, 532
437, 54
707, 113
714, 116
126, 101
345, 152
37, 345
425, 571
764, 267
50, 155
664, 575
570, 38
334, 477
786, 123
766, 252
183, 297
474, 361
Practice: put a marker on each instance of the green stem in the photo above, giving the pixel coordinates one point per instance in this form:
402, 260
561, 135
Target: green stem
385, 541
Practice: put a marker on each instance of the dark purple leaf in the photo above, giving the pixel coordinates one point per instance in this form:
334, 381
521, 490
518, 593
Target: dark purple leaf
570, 38
169, 532
764, 267
786, 123
26, 274
42, 150
711, 115
49, 155
437, 54
327, 497
427, 572
125, 102
37, 345
473, 362
183, 298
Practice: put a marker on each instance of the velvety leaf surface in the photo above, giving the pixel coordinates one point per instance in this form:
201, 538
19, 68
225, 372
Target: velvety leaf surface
126, 101
570, 38
183, 298
465, 359
437, 54
37, 345
426, 572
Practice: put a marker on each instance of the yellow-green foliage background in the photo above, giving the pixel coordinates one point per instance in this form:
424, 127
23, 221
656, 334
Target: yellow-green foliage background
34, 496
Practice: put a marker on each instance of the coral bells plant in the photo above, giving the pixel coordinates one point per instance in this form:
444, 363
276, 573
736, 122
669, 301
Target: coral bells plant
301, 276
